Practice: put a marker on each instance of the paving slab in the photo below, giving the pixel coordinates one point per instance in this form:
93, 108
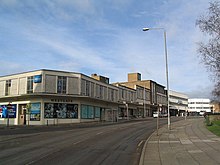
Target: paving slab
188, 142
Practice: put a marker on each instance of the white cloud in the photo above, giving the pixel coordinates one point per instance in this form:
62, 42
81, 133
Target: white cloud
9, 2
202, 91
88, 36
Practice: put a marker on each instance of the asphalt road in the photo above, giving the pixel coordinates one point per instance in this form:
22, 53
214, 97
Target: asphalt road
119, 144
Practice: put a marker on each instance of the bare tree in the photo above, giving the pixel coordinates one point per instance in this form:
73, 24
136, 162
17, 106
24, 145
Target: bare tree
210, 51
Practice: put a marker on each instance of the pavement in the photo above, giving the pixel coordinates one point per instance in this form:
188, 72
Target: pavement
188, 142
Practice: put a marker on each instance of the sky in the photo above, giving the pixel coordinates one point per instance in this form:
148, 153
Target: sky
105, 37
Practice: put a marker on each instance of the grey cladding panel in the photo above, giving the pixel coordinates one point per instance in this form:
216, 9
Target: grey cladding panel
73, 85
2, 88
50, 84
22, 85
14, 87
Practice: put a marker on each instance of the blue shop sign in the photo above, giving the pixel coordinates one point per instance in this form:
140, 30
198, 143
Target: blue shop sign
37, 78
5, 112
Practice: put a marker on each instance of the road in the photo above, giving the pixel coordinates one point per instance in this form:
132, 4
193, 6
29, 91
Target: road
119, 144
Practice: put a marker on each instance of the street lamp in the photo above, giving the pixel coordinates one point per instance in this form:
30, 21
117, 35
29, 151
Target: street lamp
126, 105
57, 115
144, 100
167, 79
127, 111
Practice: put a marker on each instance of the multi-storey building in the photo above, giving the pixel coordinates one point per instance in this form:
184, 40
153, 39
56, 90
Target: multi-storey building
150, 94
198, 106
49, 97
44, 97
178, 103
127, 99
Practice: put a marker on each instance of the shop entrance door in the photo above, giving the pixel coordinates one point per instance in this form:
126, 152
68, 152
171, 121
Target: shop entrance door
22, 114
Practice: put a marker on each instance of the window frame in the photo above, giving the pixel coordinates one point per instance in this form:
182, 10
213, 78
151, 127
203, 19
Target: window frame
61, 84
8, 87
30, 84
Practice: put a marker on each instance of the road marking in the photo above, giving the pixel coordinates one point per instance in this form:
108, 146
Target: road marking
163, 142
77, 142
185, 141
195, 151
139, 144
99, 133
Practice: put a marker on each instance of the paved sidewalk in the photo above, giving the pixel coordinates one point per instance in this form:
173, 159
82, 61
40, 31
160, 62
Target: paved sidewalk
187, 143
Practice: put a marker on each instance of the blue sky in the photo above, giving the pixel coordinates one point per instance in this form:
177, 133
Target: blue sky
106, 37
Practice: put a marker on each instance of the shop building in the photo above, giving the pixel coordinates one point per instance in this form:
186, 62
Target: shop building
53, 97
127, 101
50, 97
132, 101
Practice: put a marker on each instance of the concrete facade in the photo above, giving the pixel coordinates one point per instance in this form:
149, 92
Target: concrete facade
178, 103
197, 106
45, 97
53, 97
150, 94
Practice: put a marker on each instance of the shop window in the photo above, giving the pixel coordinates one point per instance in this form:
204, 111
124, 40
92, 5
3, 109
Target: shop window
72, 111
35, 111
87, 112
97, 112
5, 113
90, 112
61, 110
49, 111
84, 111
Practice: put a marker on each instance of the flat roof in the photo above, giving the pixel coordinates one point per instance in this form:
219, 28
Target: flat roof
38, 70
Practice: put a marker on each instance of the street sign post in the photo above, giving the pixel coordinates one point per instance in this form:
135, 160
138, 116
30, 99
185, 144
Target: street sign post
9, 109
159, 108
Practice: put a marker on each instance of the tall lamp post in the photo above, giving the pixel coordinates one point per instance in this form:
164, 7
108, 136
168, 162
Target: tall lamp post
144, 100
167, 79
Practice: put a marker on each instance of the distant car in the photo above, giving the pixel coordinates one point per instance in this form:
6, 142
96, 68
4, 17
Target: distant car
164, 115
201, 113
155, 114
